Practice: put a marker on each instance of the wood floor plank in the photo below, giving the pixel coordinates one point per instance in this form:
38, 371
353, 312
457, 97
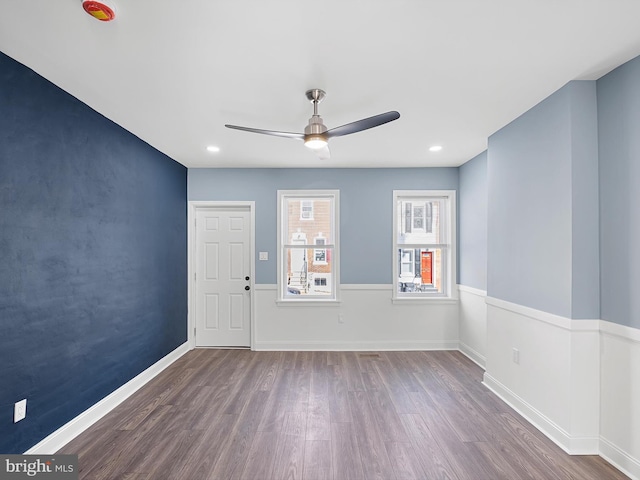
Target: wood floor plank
352, 373
201, 460
273, 418
373, 452
319, 361
102, 455
387, 417
135, 476
345, 452
405, 461
234, 455
288, 460
318, 416
169, 460
405, 365
317, 460
298, 398
303, 361
338, 398
394, 381
261, 456
432, 459
271, 362
237, 414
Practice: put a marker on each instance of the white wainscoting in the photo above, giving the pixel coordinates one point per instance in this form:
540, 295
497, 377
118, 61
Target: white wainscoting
620, 397
473, 324
364, 319
556, 382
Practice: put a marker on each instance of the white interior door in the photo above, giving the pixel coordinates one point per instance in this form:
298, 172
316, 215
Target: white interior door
223, 277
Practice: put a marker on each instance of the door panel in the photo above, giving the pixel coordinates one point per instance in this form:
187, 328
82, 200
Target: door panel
223, 262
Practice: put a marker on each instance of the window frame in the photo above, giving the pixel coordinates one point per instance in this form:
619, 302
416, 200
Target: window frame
449, 248
283, 248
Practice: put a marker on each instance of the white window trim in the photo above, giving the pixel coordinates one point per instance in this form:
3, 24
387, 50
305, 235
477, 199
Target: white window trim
451, 295
335, 260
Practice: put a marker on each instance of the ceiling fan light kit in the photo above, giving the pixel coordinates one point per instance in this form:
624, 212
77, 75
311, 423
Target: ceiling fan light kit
316, 135
315, 142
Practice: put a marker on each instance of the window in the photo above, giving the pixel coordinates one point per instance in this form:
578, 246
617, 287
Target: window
308, 219
424, 244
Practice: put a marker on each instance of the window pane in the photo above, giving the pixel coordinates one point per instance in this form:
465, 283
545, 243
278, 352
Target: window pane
305, 276
421, 270
308, 219
307, 245
421, 220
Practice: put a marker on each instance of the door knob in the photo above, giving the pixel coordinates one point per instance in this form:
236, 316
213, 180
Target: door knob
247, 287
246, 278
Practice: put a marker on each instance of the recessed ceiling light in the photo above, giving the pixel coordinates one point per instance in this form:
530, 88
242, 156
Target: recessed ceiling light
435, 148
213, 149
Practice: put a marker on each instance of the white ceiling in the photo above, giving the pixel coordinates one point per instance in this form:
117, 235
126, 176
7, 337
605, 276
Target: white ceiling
174, 72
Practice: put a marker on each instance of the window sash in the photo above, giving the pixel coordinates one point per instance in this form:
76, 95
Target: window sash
419, 218
323, 224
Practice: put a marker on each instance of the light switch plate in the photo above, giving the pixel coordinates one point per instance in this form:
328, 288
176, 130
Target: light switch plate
263, 256
20, 410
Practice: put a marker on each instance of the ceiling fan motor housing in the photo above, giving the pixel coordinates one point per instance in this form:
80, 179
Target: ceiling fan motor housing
315, 127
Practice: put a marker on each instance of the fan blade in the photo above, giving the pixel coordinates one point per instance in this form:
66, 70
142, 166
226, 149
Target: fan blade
363, 124
299, 136
323, 153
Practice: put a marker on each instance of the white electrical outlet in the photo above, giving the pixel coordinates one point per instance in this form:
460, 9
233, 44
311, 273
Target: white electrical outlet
516, 356
263, 256
20, 410
340, 318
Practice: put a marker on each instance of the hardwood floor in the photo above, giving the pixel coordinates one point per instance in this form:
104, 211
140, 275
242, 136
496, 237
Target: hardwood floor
236, 414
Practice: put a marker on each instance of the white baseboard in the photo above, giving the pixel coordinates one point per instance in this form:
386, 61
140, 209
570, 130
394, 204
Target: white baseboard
473, 355
75, 427
571, 445
355, 346
620, 459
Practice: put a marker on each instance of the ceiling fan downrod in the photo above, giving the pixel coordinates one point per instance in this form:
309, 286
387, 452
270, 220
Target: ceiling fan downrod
315, 132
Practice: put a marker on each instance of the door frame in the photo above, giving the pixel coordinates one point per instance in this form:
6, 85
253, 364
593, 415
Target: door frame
192, 210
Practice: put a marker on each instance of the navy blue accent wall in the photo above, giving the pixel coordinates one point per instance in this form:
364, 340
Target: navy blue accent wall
93, 282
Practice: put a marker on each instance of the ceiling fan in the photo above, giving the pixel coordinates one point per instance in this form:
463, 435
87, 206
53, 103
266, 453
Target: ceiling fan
316, 135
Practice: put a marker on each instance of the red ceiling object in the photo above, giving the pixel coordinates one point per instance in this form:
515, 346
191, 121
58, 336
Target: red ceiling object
99, 10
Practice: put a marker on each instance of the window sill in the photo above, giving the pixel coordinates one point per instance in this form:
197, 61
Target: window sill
424, 300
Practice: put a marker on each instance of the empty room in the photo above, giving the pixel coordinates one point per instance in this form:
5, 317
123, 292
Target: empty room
348, 240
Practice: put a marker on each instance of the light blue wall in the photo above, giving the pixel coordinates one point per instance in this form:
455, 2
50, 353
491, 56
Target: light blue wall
585, 242
541, 192
619, 152
473, 223
366, 197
